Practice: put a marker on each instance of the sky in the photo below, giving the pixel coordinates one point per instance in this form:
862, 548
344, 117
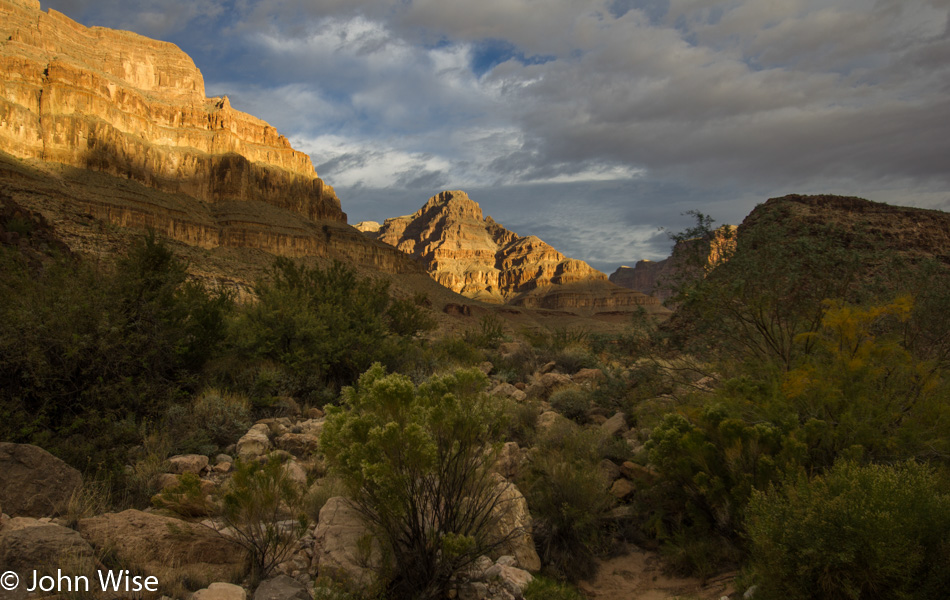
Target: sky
593, 124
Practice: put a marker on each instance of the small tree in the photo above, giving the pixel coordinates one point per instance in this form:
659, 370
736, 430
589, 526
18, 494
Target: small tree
265, 511
415, 461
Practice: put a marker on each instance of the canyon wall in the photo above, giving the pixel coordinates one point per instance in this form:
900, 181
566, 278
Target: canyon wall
133, 107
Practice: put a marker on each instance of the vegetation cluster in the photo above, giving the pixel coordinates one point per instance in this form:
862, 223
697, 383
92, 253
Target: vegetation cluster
791, 420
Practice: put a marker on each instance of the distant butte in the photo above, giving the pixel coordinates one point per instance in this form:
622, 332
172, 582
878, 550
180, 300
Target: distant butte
474, 256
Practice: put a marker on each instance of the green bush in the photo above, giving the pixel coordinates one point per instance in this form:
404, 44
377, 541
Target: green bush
488, 334
325, 326
574, 358
542, 588
875, 531
225, 416
266, 512
567, 494
572, 402
416, 463
186, 498
89, 353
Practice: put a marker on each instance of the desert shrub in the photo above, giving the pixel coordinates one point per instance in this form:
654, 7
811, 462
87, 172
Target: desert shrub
857, 394
266, 513
573, 358
89, 353
414, 462
489, 332
210, 422
522, 421
517, 366
324, 326
563, 338
543, 588
568, 497
572, 402
186, 498
875, 531
455, 351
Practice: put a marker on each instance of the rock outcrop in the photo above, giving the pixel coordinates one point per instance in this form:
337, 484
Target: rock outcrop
120, 103
473, 255
33, 482
690, 258
163, 546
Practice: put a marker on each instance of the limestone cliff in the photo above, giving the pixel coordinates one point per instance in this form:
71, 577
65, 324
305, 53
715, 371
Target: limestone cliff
690, 258
473, 255
133, 107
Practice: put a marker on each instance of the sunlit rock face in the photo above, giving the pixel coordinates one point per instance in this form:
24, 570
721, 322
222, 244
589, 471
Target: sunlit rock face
474, 256
133, 107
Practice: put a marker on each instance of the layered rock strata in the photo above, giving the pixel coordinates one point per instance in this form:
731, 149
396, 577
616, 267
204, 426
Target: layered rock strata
474, 256
133, 107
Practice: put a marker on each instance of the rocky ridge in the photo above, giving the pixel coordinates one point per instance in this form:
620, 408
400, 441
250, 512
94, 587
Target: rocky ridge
475, 256
658, 278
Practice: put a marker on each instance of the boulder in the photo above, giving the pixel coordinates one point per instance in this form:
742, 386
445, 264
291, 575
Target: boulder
622, 488
610, 470
512, 579
548, 420
588, 376
508, 462
164, 546
187, 463
513, 525
44, 546
506, 390
221, 591
638, 473
346, 550
615, 425
281, 587
299, 444
542, 386
295, 473
254, 443
33, 482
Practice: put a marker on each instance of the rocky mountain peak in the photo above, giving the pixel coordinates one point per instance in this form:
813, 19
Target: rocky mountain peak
475, 256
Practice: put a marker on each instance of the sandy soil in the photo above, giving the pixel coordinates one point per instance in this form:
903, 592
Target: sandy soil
639, 575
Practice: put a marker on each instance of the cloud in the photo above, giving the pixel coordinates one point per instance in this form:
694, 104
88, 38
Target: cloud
570, 118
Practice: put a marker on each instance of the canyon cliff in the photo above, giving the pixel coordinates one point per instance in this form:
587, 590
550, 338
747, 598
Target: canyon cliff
113, 126
690, 258
120, 103
473, 255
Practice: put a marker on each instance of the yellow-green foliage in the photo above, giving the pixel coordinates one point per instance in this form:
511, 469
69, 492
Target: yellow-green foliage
415, 460
857, 532
258, 504
859, 393
567, 495
186, 498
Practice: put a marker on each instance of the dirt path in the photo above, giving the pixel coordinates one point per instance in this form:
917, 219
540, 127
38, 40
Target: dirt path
639, 576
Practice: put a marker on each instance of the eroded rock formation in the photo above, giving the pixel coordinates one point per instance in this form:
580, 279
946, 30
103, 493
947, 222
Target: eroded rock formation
690, 258
117, 102
473, 255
